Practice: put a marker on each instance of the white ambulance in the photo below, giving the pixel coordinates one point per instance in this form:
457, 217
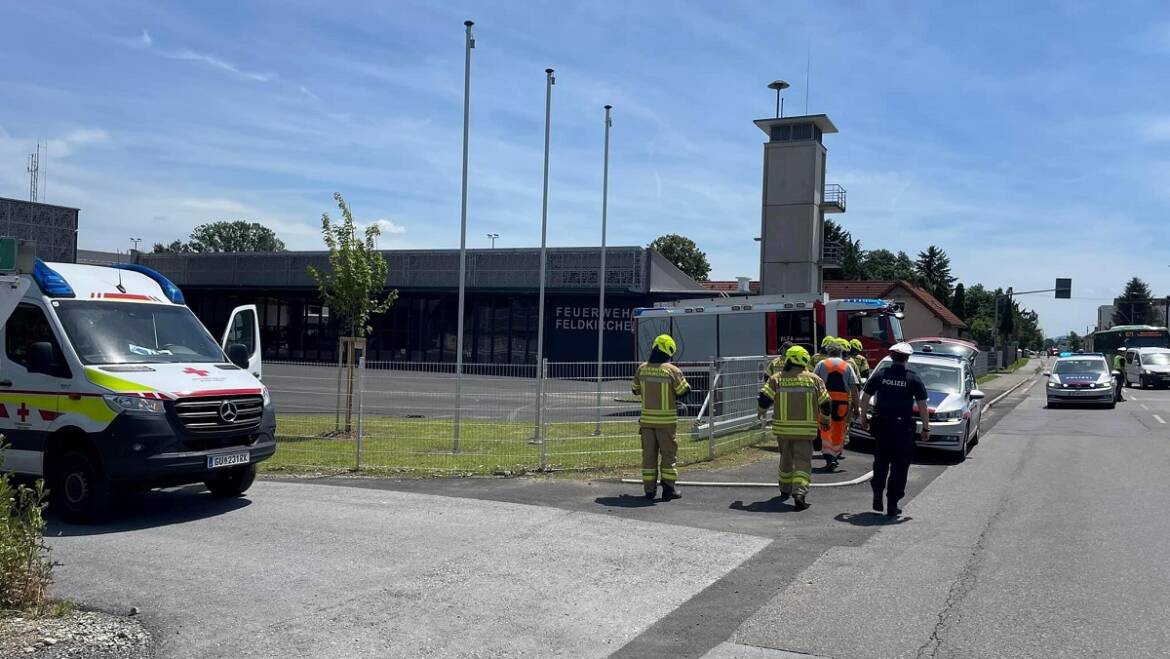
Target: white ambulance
108, 382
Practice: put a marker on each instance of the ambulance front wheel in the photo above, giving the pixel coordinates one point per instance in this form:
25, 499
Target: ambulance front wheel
232, 482
79, 491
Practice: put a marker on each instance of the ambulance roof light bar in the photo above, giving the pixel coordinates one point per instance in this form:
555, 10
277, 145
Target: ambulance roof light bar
172, 292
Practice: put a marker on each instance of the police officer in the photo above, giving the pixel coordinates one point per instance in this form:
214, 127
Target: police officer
802, 406
1119, 366
898, 389
660, 384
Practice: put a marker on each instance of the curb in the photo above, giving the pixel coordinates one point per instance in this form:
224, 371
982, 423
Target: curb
856, 481
1005, 394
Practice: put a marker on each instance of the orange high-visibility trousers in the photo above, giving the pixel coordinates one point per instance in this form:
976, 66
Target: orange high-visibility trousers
833, 439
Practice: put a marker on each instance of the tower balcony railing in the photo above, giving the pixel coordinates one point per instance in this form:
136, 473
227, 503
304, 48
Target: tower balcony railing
833, 201
831, 254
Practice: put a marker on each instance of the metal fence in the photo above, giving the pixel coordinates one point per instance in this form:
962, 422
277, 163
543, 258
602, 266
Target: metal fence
405, 416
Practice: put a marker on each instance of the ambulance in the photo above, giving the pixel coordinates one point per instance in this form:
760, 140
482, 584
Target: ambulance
108, 383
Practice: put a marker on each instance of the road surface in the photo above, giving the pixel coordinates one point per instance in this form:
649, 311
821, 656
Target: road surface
1048, 541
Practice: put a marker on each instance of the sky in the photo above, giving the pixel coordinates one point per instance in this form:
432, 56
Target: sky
1028, 140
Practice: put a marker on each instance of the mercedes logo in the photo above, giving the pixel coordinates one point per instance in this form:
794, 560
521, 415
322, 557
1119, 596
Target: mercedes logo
228, 411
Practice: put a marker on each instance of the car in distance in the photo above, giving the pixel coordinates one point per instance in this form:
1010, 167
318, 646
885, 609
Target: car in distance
1081, 378
956, 406
1147, 367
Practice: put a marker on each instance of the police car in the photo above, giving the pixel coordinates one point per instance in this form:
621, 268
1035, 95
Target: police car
956, 405
108, 382
1084, 378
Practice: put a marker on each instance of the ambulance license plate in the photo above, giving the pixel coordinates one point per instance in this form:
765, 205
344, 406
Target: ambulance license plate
227, 460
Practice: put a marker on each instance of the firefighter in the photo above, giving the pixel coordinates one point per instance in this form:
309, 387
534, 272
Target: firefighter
823, 352
777, 364
840, 379
802, 406
858, 358
660, 385
898, 390
1119, 379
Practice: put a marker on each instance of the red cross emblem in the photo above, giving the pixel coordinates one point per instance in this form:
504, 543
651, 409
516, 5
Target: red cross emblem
22, 413
196, 371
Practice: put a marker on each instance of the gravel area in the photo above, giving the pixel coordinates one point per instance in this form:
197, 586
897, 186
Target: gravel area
87, 634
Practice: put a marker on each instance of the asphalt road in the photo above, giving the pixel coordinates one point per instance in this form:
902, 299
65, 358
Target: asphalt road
1048, 541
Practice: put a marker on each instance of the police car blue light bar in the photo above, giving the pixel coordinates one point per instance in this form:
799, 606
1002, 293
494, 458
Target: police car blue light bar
172, 292
50, 281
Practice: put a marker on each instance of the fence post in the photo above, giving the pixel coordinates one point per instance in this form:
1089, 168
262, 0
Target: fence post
713, 378
540, 400
361, 387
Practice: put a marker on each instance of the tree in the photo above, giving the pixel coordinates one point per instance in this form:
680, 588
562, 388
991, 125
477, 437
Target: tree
884, 265
1075, 342
1135, 306
237, 236
851, 254
933, 271
958, 304
352, 288
684, 254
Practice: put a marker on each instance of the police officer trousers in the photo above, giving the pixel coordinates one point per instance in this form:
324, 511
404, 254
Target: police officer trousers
658, 447
892, 453
795, 464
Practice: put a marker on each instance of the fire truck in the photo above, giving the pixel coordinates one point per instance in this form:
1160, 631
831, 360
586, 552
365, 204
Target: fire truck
746, 326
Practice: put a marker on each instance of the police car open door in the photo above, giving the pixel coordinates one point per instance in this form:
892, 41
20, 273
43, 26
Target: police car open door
244, 328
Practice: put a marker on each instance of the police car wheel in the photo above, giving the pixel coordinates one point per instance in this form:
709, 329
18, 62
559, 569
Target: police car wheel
79, 490
232, 482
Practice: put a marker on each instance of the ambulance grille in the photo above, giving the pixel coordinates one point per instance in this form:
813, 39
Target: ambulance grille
232, 413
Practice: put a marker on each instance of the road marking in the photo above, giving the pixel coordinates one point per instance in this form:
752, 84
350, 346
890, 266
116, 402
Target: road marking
1133, 397
1159, 419
1143, 406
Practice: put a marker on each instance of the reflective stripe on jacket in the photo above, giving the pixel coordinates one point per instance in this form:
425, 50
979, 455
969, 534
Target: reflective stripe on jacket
659, 386
800, 398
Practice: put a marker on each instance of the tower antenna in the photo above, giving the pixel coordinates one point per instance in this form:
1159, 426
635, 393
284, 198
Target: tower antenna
807, 68
34, 172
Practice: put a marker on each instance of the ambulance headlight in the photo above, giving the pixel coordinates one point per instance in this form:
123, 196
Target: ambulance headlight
134, 404
266, 396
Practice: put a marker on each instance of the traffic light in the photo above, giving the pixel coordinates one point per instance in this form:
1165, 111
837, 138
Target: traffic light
1063, 289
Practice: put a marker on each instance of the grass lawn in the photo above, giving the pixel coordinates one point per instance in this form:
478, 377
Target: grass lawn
486, 446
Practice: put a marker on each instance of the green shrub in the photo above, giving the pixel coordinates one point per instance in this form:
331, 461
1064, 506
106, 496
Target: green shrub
25, 568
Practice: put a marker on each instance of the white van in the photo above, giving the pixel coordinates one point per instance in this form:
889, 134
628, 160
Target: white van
109, 382
1147, 367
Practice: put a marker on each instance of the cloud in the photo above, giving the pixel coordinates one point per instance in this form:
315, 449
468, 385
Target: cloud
67, 144
389, 227
1155, 129
193, 56
141, 41
308, 92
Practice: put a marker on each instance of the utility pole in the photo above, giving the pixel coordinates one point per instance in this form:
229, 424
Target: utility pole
601, 273
468, 44
549, 81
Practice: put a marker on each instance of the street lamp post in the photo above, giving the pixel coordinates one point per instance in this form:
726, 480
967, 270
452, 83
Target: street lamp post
601, 273
134, 245
492, 237
469, 43
549, 81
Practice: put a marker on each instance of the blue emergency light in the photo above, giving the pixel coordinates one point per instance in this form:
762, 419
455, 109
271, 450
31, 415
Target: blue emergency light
172, 292
50, 281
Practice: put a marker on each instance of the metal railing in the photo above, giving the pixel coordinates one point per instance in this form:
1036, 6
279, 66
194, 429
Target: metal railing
831, 254
514, 418
833, 199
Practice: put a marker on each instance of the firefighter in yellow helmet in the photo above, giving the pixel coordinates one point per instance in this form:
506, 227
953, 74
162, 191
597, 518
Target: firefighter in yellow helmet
857, 355
777, 364
840, 379
660, 384
802, 406
823, 352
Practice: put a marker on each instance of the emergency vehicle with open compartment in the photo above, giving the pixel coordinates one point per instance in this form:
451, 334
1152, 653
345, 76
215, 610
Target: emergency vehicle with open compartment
109, 382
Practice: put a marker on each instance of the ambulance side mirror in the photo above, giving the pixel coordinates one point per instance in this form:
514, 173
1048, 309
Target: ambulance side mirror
237, 354
40, 358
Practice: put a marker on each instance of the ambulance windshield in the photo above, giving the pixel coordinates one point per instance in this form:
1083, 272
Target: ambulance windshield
131, 333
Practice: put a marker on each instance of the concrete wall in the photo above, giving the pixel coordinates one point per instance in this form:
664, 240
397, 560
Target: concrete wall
52, 228
791, 224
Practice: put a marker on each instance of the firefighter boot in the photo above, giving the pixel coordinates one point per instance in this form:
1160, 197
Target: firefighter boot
670, 492
799, 503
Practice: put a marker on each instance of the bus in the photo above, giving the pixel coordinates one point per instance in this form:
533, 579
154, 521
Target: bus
1117, 337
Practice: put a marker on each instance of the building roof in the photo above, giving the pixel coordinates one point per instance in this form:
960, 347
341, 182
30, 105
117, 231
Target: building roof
822, 121
730, 287
878, 289
632, 269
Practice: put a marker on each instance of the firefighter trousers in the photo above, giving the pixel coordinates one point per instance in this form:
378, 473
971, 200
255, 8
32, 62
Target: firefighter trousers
659, 455
833, 438
795, 464
893, 451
